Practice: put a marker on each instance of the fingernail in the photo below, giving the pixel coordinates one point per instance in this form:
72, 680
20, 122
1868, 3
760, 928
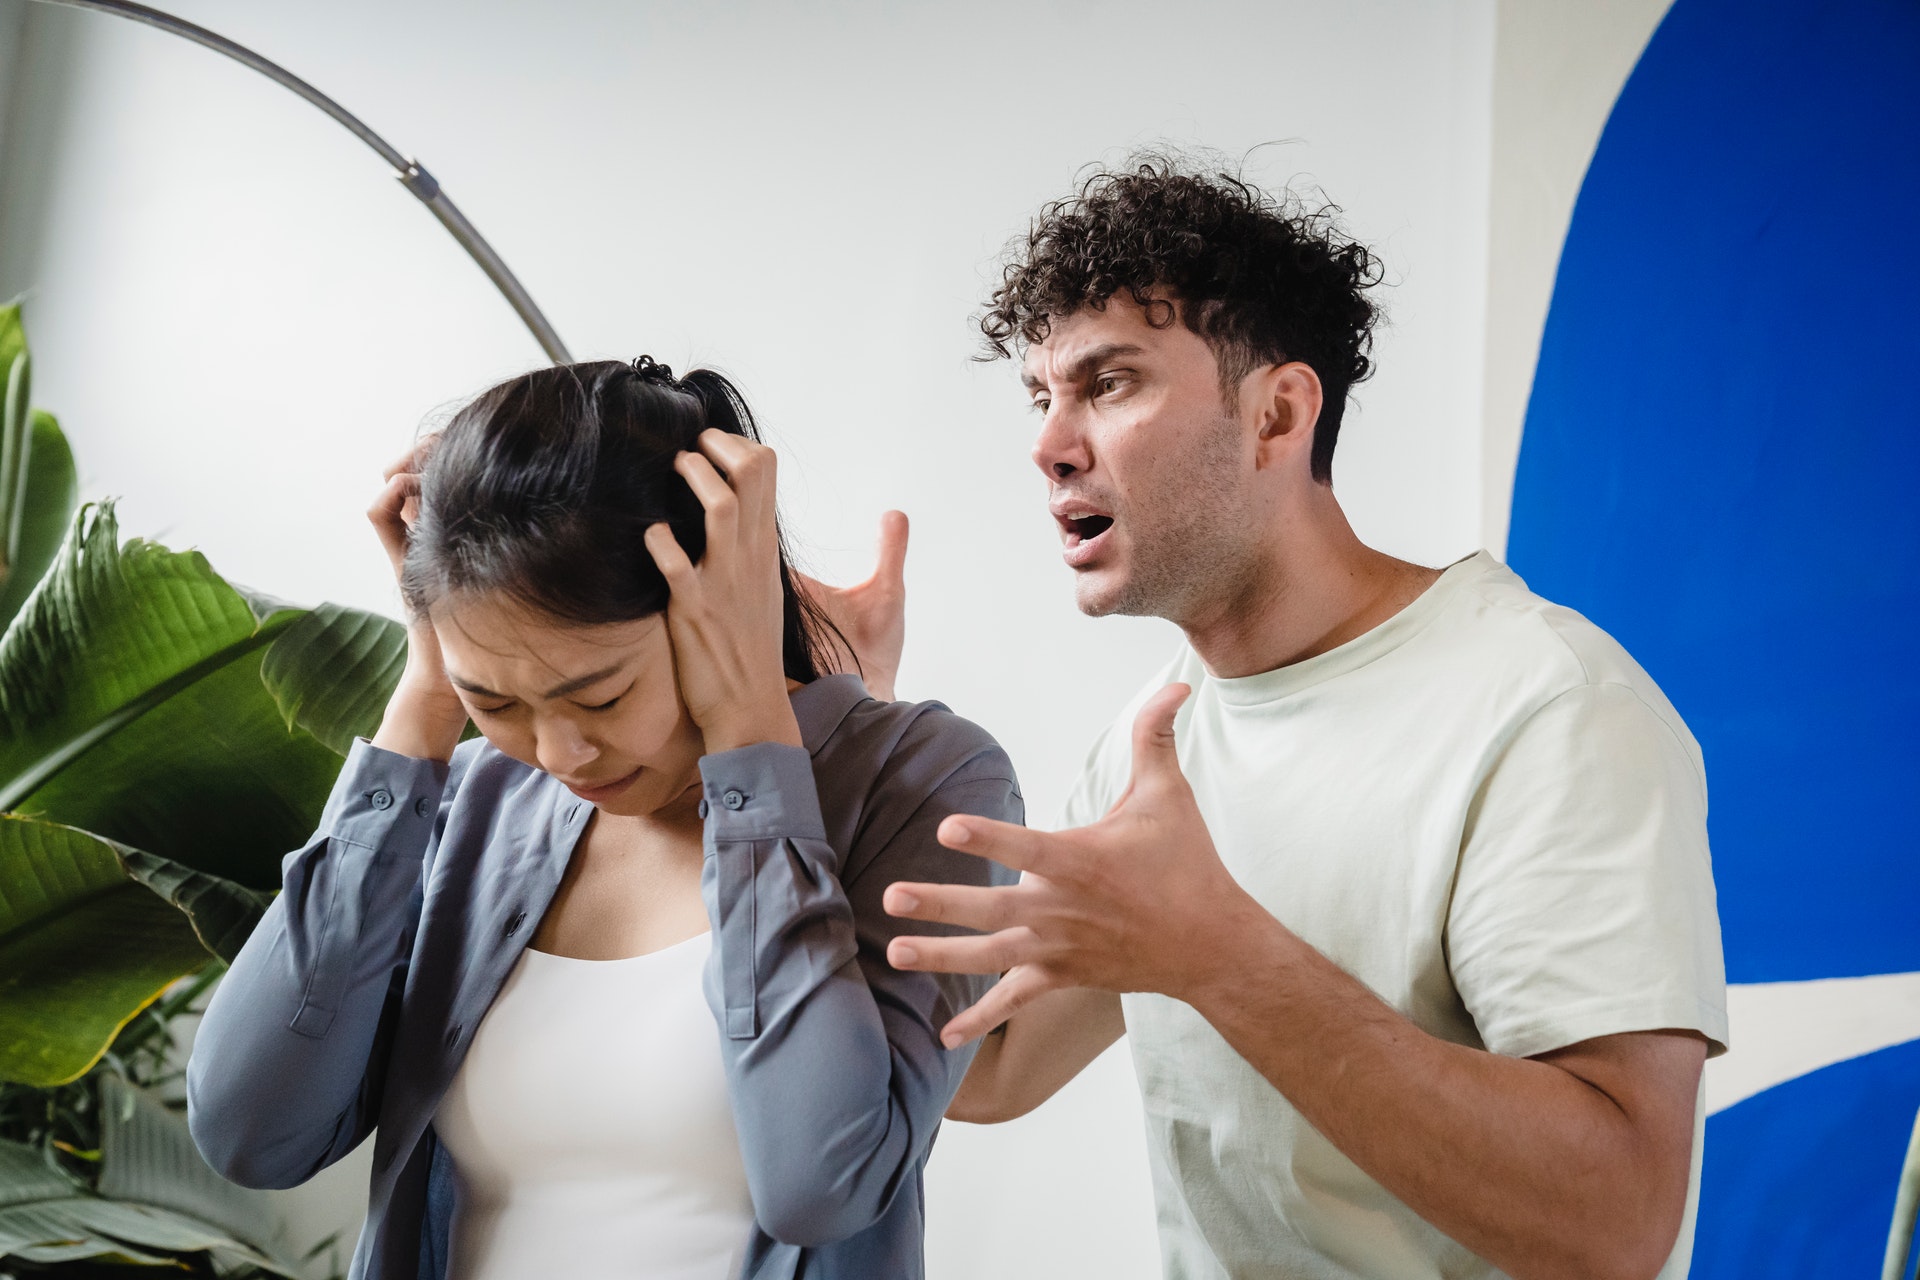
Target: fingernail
951, 1039
959, 835
904, 901
904, 953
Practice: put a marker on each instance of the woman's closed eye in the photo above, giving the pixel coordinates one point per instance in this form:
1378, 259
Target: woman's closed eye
608, 705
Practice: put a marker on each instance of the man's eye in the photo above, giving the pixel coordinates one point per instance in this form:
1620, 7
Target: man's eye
604, 706
1107, 386
489, 711
1041, 406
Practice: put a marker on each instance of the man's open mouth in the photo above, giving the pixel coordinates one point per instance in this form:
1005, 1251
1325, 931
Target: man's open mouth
1082, 529
1087, 528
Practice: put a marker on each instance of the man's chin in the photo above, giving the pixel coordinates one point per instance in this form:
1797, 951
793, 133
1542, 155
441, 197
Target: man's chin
1100, 595
1107, 594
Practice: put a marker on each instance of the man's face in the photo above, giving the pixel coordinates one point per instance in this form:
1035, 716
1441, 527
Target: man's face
1148, 472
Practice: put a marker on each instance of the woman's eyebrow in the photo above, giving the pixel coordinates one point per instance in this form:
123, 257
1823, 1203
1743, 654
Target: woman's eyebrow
560, 690
578, 683
461, 682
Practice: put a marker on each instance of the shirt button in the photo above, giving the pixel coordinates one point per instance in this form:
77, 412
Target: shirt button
453, 1035
513, 925
423, 806
705, 808
381, 799
733, 799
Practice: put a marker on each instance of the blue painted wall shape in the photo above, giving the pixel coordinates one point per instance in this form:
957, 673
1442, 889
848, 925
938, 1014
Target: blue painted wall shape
1721, 466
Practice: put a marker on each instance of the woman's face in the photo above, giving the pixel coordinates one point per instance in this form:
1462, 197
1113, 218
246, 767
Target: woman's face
595, 706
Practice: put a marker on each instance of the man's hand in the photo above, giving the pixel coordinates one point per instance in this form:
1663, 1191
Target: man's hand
871, 615
1132, 903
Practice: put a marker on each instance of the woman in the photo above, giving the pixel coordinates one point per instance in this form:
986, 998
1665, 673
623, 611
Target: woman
491, 954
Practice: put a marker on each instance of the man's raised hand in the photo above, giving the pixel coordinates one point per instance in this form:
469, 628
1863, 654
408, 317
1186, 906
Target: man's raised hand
871, 615
1130, 903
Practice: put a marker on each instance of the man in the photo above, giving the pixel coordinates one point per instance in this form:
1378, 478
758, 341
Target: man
1403, 872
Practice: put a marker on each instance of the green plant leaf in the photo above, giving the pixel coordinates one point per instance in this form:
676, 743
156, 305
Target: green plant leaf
333, 670
13, 334
83, 949
52, 491
221, 912
16, 435
45, 1219
132, 706
148, 1157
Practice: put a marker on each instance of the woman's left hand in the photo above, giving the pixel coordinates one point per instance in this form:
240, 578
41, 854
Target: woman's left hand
725, 614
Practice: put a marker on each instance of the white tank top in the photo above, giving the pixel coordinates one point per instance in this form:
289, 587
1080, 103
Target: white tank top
590, 1129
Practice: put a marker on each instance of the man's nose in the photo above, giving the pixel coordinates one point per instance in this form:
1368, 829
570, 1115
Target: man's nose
1061, 448
561, 748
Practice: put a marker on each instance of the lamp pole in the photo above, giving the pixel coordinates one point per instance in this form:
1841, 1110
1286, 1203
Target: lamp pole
413, 175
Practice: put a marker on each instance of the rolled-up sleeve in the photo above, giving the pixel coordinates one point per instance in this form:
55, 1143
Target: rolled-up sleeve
834, 1066
286, 1065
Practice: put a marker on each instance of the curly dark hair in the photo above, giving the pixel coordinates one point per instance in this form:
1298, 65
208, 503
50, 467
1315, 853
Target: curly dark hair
1262, 278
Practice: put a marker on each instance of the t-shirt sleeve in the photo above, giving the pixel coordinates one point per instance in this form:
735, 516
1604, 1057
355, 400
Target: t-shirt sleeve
1585, 904
1094, 791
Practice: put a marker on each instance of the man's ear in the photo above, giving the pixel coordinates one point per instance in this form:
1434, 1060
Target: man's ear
1286, 399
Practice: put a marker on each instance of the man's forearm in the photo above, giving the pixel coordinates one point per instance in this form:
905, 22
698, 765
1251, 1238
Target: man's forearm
1036, 1053
1540, 1170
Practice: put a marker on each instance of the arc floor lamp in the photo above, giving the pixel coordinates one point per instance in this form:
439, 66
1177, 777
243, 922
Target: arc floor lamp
413, 175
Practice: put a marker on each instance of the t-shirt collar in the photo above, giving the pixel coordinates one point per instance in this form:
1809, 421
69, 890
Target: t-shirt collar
1267, 686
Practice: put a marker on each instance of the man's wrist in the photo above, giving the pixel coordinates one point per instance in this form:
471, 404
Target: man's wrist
1245, 945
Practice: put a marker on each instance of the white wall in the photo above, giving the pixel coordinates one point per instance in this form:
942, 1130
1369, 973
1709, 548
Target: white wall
240, 317
1558, 66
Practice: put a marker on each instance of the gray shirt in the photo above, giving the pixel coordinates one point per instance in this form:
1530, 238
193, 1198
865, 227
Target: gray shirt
350, 1008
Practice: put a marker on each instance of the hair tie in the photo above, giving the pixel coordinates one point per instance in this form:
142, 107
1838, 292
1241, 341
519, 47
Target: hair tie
650, 370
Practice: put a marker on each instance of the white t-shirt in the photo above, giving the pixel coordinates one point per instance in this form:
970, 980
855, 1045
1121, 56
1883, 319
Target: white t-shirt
1484, 811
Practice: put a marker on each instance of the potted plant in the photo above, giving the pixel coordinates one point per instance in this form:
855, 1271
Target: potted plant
165, 738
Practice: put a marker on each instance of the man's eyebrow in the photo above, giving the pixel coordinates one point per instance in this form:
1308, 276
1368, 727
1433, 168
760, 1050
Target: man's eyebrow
560, 690
1081, 369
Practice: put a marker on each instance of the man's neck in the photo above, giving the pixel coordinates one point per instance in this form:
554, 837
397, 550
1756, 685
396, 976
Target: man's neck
1318, 588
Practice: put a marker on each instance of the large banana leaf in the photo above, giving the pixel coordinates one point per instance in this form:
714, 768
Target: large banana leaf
333, 671
137, 1218
52, 492
133, 705
16, 380
148, 1157
90, 934
37, 482
153, 773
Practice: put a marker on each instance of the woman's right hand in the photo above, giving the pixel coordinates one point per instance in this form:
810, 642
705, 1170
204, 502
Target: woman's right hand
424, 717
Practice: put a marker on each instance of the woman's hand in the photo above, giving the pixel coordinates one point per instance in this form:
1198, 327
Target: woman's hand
724, 617
424, 717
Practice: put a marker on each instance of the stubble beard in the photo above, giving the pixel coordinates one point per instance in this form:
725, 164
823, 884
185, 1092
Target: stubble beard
1187, 531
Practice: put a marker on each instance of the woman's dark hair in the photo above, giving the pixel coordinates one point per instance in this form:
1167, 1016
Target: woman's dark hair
1262, 279
542, 489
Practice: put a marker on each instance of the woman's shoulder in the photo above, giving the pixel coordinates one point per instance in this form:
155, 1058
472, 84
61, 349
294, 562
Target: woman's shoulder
917, 747
887, 772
